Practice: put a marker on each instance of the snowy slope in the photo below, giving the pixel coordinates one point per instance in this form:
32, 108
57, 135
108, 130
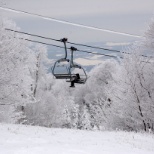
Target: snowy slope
18, 139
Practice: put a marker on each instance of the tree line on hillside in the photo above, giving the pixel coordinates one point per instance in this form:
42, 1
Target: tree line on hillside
117, 95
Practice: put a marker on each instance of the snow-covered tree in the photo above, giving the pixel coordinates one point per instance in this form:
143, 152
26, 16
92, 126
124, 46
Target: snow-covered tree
133, 93
15, 78
94, 98
39, 70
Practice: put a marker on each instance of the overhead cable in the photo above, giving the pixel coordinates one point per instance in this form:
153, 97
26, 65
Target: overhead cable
49, 44
95, 53
89, 46
69, 43
68, 22
34, 41
16, 31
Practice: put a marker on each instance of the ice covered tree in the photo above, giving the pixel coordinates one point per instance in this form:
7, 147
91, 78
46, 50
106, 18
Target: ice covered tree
134, 91
94, 98
15, 58
54, 107
39, 70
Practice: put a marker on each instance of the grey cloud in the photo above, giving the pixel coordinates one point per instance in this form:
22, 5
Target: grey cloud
120, 15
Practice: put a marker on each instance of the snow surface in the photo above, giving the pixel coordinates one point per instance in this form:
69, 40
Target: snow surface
20, 139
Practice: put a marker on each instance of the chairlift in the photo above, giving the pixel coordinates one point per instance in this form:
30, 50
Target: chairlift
69, 69
77, 76
60, 69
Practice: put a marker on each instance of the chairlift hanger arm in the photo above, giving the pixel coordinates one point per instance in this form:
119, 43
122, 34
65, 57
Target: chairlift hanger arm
64, 40
72, 62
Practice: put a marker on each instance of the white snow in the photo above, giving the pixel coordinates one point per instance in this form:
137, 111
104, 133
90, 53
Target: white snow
19, 139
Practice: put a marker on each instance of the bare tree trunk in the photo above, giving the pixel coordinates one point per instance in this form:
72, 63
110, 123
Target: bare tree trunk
140, 110
37, 74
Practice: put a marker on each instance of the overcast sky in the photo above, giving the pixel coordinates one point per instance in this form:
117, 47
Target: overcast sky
130, 16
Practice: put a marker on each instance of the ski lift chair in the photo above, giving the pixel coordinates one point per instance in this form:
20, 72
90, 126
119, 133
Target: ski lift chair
69, 75
58, 63
76, 77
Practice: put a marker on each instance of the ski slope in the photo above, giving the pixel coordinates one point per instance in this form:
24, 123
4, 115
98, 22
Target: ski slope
19, 139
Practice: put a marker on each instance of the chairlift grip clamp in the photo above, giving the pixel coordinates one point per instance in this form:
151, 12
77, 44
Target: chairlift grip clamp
73, 49
64, 40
